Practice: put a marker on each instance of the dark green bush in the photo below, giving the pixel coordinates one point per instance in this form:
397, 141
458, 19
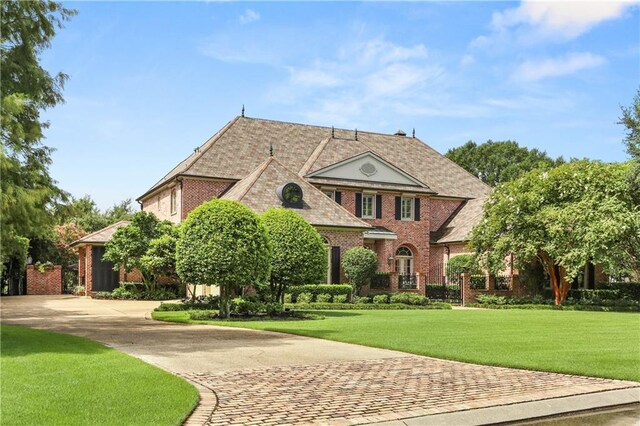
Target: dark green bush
627, 290
340, 298
361, 300
371, 306
245, 306
490, 299
323, 298
274, 309
304, 298
381, 299
315, 289
359, 264
409, 299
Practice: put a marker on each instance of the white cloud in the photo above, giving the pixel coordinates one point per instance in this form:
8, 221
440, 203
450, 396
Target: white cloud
565, 18
467, 60
249, 16
533, 21
554, 67
313, 78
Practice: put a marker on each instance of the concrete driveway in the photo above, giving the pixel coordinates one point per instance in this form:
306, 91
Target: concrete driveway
257, 377
127, 326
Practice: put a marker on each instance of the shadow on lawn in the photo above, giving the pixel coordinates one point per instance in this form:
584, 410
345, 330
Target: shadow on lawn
18, 341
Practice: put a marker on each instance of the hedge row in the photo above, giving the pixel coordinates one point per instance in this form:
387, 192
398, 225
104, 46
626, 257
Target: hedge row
316, 289
596, 308
362, 307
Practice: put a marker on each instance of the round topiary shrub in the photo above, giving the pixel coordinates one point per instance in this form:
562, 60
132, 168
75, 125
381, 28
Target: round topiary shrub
360, 265
223, 243
298, 255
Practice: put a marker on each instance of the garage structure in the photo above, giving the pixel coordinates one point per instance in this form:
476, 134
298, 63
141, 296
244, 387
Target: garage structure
94, 273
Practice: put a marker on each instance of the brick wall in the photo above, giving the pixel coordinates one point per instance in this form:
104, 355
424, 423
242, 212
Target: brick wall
197, 191
441, 210
413, 234
160, 204
343, 239
469, 294
44, 283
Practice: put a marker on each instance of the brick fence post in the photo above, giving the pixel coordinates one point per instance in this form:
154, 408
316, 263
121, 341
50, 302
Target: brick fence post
48, 282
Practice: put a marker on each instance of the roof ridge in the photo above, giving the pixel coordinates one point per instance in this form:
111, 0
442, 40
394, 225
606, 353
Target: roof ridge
260, 170
314, 156
321, 127
100, 230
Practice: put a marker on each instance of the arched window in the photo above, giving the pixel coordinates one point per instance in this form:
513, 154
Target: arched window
404, 261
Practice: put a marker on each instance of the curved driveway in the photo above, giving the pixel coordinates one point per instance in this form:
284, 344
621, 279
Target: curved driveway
269, 378
126, 326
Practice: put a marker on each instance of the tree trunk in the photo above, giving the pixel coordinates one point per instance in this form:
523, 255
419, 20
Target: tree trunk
224, 302
558, 279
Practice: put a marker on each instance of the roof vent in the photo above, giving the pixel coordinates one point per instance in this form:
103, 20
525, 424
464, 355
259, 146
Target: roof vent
400, 133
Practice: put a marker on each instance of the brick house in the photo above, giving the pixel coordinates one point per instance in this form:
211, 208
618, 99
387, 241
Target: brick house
391, 193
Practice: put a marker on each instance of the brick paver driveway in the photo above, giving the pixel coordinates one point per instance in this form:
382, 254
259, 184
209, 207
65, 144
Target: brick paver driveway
293, 379
359, 392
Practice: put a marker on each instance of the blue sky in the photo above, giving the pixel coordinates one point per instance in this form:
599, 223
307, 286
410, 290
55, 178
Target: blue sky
150, 81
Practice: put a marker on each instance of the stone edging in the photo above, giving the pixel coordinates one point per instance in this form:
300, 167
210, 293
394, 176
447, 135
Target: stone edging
201, 414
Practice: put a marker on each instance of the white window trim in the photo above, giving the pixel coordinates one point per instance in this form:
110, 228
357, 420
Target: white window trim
373, 206
411, 211
330, 193
173, 201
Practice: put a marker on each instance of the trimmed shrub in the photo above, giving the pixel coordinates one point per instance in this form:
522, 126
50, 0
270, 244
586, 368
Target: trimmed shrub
243, 306
361, 300
323, 298
287, 298
409, 299
630, 290
223, 243
298, 254
490, 299
304, 298
316, 289
340, 298
370, 306
381, 299
360, 265
274, 309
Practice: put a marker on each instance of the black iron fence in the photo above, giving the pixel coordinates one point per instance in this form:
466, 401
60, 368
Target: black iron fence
407, 281
502, 282
381, 281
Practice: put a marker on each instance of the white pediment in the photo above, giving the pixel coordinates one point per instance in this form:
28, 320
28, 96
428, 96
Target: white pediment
367, 167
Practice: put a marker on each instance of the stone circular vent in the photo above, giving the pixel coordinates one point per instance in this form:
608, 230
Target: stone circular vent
368, 169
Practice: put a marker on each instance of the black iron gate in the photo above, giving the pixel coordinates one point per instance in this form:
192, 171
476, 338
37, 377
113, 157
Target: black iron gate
444, 284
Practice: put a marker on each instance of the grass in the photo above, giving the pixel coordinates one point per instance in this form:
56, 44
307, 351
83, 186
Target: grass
602, 344
58, 379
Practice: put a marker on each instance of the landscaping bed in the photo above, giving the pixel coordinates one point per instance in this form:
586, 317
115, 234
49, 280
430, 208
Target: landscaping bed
608, 300
138, 291
52, 378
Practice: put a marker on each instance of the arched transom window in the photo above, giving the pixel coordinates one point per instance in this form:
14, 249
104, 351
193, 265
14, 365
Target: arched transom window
404, 261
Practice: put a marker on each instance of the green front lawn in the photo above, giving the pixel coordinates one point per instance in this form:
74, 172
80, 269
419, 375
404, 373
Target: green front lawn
605, 344
58, 379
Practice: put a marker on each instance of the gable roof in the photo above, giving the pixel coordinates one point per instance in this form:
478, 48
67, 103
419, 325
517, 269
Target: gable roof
458, 228
101, 236
258, 192
342, 170
234, 152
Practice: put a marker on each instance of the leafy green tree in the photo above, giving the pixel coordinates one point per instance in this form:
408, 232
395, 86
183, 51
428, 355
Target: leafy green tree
129, 244
462, 263
495, 162
360, 265
223, 243
298, 255
160, 257
631, 121
26, 89
565, 217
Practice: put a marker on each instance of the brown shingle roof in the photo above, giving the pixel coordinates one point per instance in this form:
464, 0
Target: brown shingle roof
458, 229
101, 236
239, 147
258, 192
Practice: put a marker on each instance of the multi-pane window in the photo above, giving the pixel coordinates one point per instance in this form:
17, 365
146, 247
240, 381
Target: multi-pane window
330, 194
368, 207
406, 208
174, 202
